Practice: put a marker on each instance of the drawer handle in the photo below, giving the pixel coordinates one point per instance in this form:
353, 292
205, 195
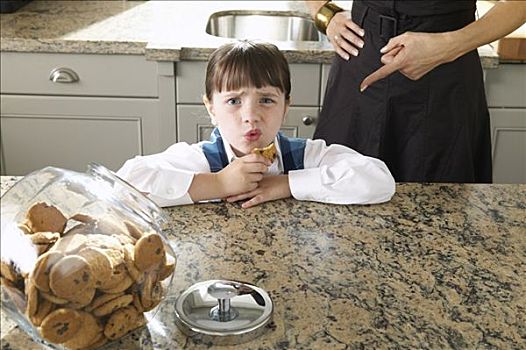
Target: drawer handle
308, 120
63, 75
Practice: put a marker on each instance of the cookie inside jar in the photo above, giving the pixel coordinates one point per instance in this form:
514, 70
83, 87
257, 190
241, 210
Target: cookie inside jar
94, 277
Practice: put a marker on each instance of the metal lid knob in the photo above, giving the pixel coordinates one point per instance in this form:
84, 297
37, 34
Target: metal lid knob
223, 291
223, 312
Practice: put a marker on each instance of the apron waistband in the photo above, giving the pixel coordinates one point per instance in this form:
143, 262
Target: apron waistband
389, 23
386, 23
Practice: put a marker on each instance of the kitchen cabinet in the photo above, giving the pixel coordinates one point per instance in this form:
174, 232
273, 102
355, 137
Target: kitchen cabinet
67, 110
193, 122
325, 69
70, 132
506, 95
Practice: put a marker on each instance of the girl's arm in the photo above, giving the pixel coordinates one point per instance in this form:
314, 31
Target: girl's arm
340, 175
166, 177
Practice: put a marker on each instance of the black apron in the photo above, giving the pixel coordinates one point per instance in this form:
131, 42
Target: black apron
435, 129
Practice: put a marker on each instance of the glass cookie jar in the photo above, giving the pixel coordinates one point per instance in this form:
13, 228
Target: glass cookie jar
84, 260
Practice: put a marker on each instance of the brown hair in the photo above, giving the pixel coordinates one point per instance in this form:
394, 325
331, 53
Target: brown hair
244, 63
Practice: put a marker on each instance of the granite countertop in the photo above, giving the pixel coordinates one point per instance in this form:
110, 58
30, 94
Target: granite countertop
439, 266
160, 30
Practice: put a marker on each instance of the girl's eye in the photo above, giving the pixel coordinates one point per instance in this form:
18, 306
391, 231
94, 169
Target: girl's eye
267, 100
233, 101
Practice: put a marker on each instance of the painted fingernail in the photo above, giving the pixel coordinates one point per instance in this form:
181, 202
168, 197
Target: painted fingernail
360, 44
362, 89
346, 57
354, 52
362, 32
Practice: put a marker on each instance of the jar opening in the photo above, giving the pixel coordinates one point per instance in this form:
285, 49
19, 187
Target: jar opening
129, 196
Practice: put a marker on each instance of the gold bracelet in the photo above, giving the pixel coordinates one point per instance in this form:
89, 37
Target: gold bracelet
324, 16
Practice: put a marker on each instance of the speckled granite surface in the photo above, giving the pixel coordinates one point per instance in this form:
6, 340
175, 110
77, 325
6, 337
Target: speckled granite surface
440, 266
161, 30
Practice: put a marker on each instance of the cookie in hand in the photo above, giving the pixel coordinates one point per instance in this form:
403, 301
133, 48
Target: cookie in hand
268, 152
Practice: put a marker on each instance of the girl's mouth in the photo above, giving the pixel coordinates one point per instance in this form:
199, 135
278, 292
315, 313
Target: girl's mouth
253, 135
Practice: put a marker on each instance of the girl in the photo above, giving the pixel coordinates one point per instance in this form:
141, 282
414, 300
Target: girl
247, 97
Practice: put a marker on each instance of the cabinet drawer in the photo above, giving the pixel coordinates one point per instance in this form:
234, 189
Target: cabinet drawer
98, 75
506, 86
305, 82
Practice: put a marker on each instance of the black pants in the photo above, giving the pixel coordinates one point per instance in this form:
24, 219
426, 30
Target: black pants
435, 129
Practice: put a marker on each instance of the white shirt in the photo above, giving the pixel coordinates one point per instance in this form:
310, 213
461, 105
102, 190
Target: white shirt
332, 174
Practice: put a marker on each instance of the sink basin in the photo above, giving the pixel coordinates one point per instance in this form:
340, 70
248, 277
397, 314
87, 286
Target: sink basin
262, 25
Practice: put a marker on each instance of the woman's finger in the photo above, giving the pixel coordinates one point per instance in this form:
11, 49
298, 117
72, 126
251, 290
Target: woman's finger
352, 38
343, 54
343, 48
392, 43
380, 73
335, 43
354, 27
390, 56
351, 41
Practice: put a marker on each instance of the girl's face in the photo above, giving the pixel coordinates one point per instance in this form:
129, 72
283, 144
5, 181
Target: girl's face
249, 117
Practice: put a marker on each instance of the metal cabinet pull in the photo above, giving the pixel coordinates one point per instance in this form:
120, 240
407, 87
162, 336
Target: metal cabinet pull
308, 120
63, 75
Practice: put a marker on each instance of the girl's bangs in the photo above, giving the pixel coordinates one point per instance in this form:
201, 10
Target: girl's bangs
243, 73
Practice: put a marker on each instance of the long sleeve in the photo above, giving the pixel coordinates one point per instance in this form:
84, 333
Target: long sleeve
340, 175
166, 177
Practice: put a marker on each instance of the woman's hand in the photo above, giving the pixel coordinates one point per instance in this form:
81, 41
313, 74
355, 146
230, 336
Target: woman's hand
418, 53
413, 54
345, 35
269, 188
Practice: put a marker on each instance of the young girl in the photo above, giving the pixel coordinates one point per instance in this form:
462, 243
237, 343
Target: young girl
247, 97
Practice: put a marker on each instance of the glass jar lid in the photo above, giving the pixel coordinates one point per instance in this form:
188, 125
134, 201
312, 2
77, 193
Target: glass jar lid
223, 312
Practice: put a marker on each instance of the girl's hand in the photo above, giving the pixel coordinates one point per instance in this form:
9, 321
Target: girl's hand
413, 54
345, 35
269, 188
243, 174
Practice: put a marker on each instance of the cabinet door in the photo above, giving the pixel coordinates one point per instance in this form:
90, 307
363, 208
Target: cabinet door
193, 123
300, 122
325, 70
508, 137
506, 86
70, 132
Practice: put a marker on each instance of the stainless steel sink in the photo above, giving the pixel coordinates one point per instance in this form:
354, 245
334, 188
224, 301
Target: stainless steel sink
262, 25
